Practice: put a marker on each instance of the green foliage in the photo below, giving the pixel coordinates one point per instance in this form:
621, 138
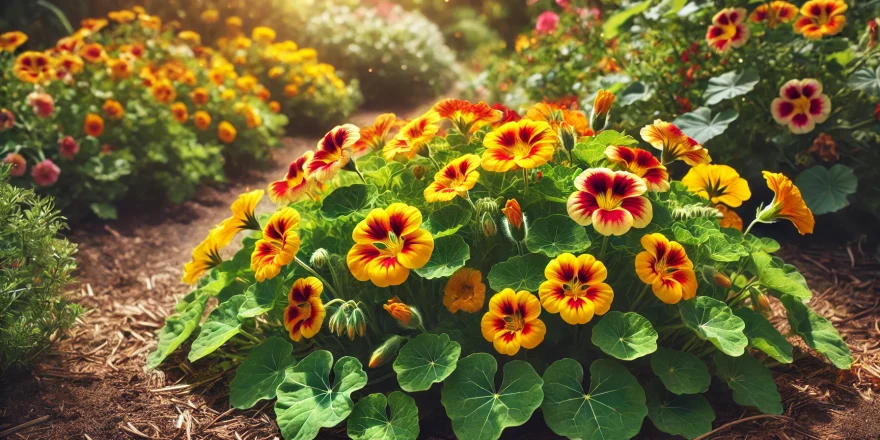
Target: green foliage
626, 336
713, 321
730, 85
518, 273
701, 125
827, 189
817, 332
369, 420
680, 372
555, 235
258, 377
687, 415
426, 360
751, 382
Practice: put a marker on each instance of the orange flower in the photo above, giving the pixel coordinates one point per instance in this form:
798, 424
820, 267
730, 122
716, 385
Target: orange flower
94, 125
119, 68
93, 53
512, 322
210, 16
467, 117
455, 179
518, 145
291, 90
729, 218
202, 120
612, 201
787, 204
252, 118
774, 13
233, 24
820, 18
558, 116
727, 30
305, 312
333, 153
374, 137
200, 96
12, 40
275, 107
243, 218
295, 185
674, 144
464, 291
641, 163
226, 132
93, 24
113, 109
575, 288
665, 266
68, 64
164, 91
150, 21
388, 244
413, 138
514, 220
179, 112
399, 311
33, 67
279, 245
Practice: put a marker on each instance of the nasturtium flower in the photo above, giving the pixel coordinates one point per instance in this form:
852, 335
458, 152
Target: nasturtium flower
93, 24
164, 91
113, 109
464, 291
94, 125
122, 16
119, 68
388, 244
199, 96
226, 132
787, 204
512, 322
801, 105
559, 116
717, 183
575, 288
204, 257
202, 120
507, 115
467, 117
279, 245
93, 53
674, 144
641, 163
455, 179
611, 201
729, 218
295, 185
413, 138
665, 266
401, 312
333, 153
10, 41
305, 312
820, 18
33, 67
774, 13
243, 217
179, 112
515, 223
524, 144
374, 137
68, 64
727, 30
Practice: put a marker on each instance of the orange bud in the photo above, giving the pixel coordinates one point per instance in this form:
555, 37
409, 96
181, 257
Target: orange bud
721, 280
399, 311
513, 213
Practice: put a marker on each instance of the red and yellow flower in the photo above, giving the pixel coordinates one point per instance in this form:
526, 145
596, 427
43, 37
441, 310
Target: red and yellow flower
67, 63
820, 18
801, 105
787, 204
464, 291
455, 179
305, 312
200, 96
202, 120
641, 163
559, 116
164, 91
524, 144
93, 24
674, 144
94, 125
575, 288
10, 41
33, 67
92, 53
113, 109
729, 218
665, 266
512, 322
179, 112
611, 201
295, 185
413, 138
243, 217
333, 153
122, 17
727, 30
279, 245
388, 244
774, 13
374, 137
717, 183
466, 117
204, 257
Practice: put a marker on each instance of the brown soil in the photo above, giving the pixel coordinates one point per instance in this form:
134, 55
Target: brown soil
92, 384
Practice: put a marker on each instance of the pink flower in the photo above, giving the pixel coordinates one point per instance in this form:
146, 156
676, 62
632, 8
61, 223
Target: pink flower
19, 165
68, 147
801, 105
45, 173
547, 22
7, 120
563, 3
42, 103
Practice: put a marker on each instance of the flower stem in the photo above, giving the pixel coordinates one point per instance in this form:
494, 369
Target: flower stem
753, 223
525, 181
604, 247
317, 275
641, 295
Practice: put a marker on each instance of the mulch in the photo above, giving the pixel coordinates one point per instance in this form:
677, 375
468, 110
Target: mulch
92, 384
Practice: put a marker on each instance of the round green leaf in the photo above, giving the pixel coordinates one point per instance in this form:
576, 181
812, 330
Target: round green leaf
687, 415
763, 336
523, 272
479, 411
817, 332
426, 360
826, 189
346, 200
370, 421
308, 400
702, 126
259, 298
626, 336
447, 220
556, 234
730, 85
680, 372
450, 254
261, 372
713, 321
866, 79
751, 382
613, 408
222, 324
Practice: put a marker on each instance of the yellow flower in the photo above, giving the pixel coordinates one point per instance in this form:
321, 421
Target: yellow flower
291, 90
674, 144
279, 245
820, 18
243, 217
787, 204
718, 183
512, 322
119, 68
276, 72
226, 132
233, 24
413, 138
263, 34
665, 266
252, 118
523, 144
202, 120
12, 40
190, 37
33, 67
123, 16
204, 257
464, 291
93, 53
200, 96
575, 288
305, 312
455, 179
210, 16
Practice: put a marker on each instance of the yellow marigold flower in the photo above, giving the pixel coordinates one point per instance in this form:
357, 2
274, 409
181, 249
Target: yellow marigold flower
200, 96
512, 322
233, 24
246, 83
279, 245
33, 67
820, 18
188, 78
164, 91
333, 152
399, 311
123, 16
275, 106
138, 10
191, 37
243, 217
202, 120
665, 266
467, 117
227, 95
179, 112
464, 291
388, 244
252, 118
455, 179
522, 43
113, 109
119, 68
94, 125
787, 204
150, 21
575, 288
210, 16
241, 43
226, 132
204, 257
523, 144
674, 144
374, 137
413, 138
295, 185
263, 34
276, 72
291, 90
718, 183
305, 312
262, 93
12, 40
729, 218
774, 13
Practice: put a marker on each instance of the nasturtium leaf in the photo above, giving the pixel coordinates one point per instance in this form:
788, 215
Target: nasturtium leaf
611, 137
687, 415
556, 235
730, 85
523, 272
307, 398
177, 329
370, 421
763, 336
611, 27
613, 408
345, 201
477, 409
222, 324
764, 244
259, 298
680, 372
817, 332
713, 321
866, 79
450, 254
261, 372
634, 92
751, 382
426, 360
826, 189
701, 125
777, 279
626, 336
447, 220
590, 153
722, 250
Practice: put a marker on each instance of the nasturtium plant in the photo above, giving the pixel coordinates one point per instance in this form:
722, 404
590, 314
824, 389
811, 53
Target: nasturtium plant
626, 336
370, 420
259, 375
426, 360
730, 85
687, 415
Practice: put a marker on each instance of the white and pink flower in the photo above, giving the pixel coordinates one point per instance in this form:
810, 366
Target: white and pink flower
801, 105
42, 103
728, 30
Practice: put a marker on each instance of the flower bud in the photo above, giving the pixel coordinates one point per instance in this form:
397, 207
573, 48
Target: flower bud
405, 315
567, 137
762, 303
487, 205
488, 224
320, 258
356, 324
515, 225
336, 322
419, 171
601, 110
386, 352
